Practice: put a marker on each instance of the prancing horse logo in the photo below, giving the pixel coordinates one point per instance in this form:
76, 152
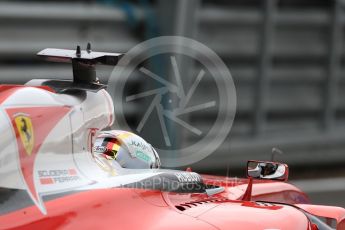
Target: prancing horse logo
26, 132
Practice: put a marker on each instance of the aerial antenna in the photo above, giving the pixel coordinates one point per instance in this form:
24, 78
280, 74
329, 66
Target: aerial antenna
275, 152
78, 52
88, 48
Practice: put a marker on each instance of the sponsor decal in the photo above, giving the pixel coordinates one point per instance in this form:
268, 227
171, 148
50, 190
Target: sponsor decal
141, 145
25, 130
142, 150
188, 177
143, 156
48, 177
31, 126
100, 149
45, 181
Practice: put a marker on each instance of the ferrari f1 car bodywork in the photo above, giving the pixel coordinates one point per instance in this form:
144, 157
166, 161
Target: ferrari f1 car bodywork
51, 179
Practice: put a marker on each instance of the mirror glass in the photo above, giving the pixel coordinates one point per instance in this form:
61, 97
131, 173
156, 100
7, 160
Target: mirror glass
267, 170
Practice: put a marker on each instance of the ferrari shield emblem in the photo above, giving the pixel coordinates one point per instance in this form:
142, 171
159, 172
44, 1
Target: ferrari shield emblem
25, 131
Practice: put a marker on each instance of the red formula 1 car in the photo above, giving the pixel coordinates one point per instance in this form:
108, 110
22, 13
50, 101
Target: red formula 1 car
59, 170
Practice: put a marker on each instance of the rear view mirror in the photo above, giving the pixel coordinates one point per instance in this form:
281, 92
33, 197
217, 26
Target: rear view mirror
266, 170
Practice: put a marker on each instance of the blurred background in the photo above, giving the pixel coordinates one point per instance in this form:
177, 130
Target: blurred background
286, 58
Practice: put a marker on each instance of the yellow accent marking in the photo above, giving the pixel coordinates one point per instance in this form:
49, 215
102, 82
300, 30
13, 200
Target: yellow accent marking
26, 132
124, 135
116, 147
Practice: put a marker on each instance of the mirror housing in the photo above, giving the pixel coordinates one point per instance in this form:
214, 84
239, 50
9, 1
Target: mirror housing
266, 170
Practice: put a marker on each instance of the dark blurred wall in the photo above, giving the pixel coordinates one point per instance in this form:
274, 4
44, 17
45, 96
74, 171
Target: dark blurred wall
286, 58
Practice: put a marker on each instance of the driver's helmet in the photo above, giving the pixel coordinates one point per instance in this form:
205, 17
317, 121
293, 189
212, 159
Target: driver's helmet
127, 149
269, 169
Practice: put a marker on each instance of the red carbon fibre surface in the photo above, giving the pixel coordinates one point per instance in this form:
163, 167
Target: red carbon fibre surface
141, 209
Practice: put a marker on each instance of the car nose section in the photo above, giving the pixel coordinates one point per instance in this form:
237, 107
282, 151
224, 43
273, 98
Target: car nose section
255, 215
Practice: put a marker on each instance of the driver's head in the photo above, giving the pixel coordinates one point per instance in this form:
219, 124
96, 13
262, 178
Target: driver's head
269, 169
127, 149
